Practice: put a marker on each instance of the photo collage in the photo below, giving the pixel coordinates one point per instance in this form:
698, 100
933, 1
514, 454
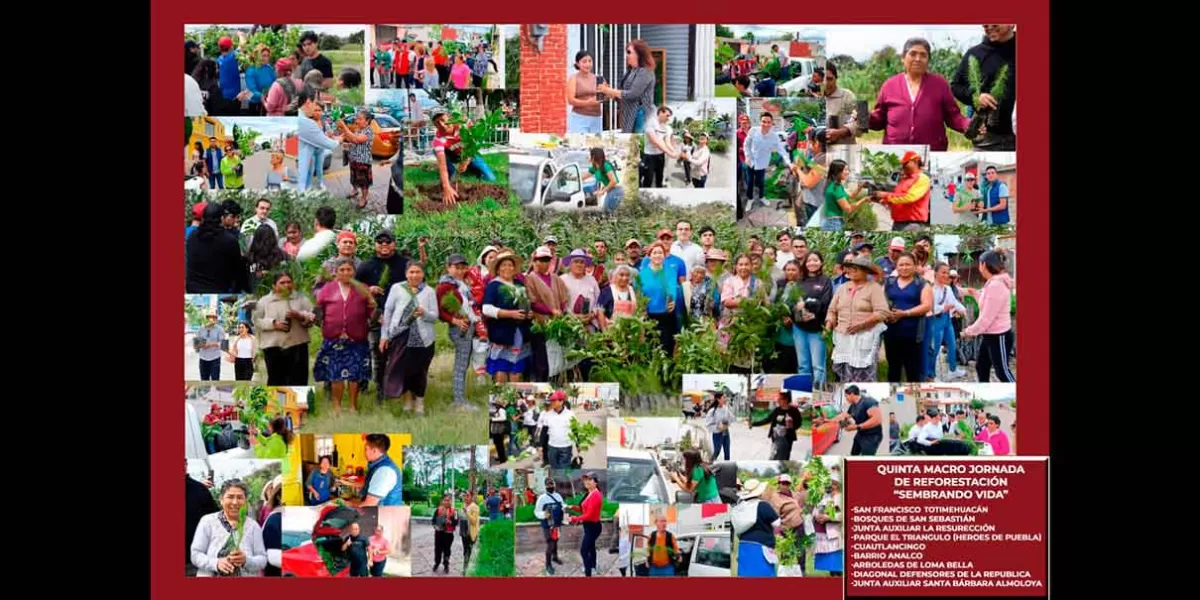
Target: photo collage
584, 300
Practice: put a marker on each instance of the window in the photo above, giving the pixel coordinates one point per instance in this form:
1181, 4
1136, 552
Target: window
714, 552
324, 447
210, 130
386, 121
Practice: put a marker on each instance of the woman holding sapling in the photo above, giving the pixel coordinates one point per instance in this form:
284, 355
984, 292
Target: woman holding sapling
345, 356
407, 338
659, 283
916, 107
618, 299
827, 519
808, 317
284, 318
856, 315
507, 312
229, 543
587, 110
788, 295
839, 202
910, 298
635, 92
735, 291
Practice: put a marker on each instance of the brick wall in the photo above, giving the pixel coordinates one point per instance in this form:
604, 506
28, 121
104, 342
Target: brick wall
543, 77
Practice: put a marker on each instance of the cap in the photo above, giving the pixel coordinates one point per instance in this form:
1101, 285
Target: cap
550, 240
456, 259
663, 233
863, 244
784, 478
858, 234
543, 252
970, 176
558, 395
225, 43
909, 156
347, 235
283, 64
588, 475
897, 243
198, 209
953, 272
632, 242
384, 237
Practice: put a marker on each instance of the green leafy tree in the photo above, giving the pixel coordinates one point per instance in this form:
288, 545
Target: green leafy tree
724, 31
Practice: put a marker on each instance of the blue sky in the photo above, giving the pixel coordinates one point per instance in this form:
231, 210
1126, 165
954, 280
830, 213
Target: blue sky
861, 41
268, 126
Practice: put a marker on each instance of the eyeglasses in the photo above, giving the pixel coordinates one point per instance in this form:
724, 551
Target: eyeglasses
543, 259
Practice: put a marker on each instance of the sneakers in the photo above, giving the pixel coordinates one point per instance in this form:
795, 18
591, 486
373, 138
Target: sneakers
464, 406
446, 569
557, 560
959, 373
549, 569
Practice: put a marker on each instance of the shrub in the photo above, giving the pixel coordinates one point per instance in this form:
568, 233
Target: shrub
496, 556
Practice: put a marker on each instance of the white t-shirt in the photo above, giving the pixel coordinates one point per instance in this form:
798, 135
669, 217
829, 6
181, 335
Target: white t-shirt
193, 98
559, 427
932, 431
662, 131
539, 509
692, 254
783, 258
382, 483
312, 247
245, 347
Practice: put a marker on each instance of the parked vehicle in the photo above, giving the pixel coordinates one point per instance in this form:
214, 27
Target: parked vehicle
702, 554
636, 477
552, 183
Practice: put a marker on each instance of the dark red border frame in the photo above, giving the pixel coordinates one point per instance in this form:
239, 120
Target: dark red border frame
167, 20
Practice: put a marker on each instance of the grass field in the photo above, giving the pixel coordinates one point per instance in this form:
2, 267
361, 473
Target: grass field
427, 173
726, 90
350, 55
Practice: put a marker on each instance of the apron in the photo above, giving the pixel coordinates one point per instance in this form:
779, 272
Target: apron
624, 308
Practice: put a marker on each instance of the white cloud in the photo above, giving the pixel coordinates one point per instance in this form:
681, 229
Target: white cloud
861, 41
268, 126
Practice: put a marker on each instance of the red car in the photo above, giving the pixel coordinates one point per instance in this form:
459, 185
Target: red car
304, 561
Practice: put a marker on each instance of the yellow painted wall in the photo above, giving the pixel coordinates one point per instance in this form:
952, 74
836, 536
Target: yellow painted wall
352, 449
205, 127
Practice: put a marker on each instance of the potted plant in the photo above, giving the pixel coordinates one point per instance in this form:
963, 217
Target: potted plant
787, 550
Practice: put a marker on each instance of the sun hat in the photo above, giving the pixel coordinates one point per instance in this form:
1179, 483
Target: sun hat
578, 253
752, 488
863, 262
504, 254
716, 254
784, 478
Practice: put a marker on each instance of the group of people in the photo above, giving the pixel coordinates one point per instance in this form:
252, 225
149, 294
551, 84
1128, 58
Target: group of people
762, 513
660, 143
802, 153
933, 427
447, 521
417, 65
218, 87
550, 510
549, 429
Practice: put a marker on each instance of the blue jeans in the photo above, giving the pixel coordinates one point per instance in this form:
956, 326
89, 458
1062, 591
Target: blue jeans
478, 164
613, 199
720, 441
831, 223
939, 330
699, 183
210, 370
757, 179
216, 182
560, 458
810, 354
639, 122
513, 449
577, 123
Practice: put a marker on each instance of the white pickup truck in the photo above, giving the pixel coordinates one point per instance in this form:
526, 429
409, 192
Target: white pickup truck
554, 183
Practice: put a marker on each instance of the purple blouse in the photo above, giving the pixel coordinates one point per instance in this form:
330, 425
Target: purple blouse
923, 121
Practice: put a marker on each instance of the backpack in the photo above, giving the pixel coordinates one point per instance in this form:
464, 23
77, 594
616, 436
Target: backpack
289, 89
554, 510
670, 544
744, 515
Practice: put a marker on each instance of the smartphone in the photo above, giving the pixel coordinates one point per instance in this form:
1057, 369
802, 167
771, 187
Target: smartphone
599, 82
863, 115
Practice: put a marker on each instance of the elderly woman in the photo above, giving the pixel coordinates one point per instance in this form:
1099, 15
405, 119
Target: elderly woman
827, 519
635, 92
583, 292
916, 106
910, 298
408, 337
229, 543
360, 139
280, 101
659, 283
698, 294
283, 318
618, 299
757, 543
279, 173
345, 356
737, 290
856, 314
507, 312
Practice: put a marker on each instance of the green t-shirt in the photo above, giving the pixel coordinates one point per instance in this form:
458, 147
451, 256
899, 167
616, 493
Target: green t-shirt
229, 166
602, 177
707, 488
833, 193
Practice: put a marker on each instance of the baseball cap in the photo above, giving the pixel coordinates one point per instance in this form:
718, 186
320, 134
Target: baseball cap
663, 233
225, 43
198, 209
384, 237
558, 395
543, 252
970, 176
897, 243
909, 156
588, 475
550, 240
953, 272
784, 478
456, 259
632, 242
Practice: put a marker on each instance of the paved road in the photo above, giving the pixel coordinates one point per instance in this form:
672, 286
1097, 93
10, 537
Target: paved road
753, 444
337, 181
422, 553
721, 173
191, 363
531, 549
595, 458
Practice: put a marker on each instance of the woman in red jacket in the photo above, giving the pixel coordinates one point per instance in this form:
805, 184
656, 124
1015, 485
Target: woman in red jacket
590, 518
345, 354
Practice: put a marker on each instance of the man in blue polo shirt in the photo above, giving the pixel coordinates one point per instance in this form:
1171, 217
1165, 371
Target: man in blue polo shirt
995, 199
384, 484
227, 69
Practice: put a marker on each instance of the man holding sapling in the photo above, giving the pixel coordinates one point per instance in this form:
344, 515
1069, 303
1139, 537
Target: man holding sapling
378, 273
865, 418
986, 79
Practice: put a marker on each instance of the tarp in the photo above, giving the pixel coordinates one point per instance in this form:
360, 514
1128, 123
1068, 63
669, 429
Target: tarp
798, 383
